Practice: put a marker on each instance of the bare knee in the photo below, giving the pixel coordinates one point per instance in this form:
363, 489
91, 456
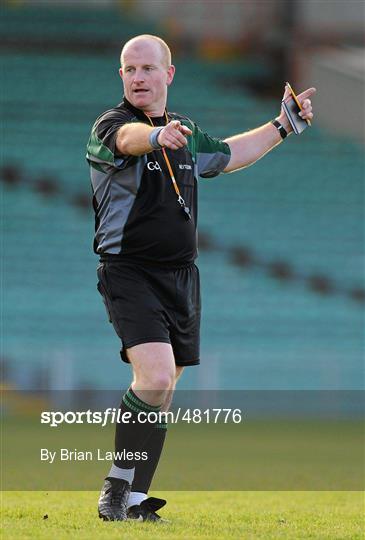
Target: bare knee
153, 387
155, 381
154, 370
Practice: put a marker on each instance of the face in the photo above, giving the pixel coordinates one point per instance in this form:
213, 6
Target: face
146, 77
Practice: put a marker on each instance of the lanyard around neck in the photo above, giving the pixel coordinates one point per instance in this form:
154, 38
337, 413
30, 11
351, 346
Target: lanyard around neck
180, 200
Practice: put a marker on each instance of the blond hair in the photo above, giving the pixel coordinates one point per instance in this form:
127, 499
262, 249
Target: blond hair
166, 53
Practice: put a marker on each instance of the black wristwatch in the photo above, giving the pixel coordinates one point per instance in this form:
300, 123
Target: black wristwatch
281, 129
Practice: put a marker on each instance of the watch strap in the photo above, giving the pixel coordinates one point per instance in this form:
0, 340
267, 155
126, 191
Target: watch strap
281, 129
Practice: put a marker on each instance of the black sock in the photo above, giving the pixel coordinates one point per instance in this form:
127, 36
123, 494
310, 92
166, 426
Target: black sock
145, 470
131, 436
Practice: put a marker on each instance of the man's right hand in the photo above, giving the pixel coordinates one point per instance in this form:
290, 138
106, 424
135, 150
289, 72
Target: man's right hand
173, 135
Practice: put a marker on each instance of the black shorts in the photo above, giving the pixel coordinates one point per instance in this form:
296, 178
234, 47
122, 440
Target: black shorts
147, 304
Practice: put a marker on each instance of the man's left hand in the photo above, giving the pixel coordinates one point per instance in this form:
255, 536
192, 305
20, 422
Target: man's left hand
306, 113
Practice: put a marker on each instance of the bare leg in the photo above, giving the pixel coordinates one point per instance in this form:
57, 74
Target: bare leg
154, 371
167, 402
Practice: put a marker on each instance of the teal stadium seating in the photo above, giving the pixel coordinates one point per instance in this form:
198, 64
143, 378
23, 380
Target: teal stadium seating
302, 204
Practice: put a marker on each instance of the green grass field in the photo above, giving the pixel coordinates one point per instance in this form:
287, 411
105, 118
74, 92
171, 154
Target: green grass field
203, 515
323, 461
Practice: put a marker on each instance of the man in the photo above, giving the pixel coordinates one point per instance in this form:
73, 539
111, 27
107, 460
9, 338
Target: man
144, 163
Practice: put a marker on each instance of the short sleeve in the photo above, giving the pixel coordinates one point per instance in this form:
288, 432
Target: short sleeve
101, 148
212, 154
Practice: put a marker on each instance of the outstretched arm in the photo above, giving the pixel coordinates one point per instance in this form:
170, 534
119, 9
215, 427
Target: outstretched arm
246, 148
134, 139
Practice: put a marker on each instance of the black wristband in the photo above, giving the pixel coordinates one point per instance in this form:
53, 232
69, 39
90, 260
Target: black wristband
281, 129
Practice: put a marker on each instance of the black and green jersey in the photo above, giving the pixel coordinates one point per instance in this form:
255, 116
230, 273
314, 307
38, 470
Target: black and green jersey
137, 216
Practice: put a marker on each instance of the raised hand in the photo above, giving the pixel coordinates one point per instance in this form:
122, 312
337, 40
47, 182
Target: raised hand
303, 98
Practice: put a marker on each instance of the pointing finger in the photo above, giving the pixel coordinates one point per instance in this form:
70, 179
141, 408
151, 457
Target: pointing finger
306, 94
185, 130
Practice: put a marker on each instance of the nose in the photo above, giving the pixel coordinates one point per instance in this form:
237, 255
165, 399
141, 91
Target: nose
138, 76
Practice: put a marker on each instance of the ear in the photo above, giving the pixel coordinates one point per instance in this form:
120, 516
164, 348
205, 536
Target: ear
121, 73
170, 75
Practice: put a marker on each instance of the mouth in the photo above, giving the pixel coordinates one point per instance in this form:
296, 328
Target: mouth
140, 91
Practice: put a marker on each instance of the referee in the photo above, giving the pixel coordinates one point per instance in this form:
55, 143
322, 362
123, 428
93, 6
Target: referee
144, 163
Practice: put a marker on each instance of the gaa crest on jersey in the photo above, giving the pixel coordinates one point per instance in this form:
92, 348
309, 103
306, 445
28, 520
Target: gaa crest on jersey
153, 166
